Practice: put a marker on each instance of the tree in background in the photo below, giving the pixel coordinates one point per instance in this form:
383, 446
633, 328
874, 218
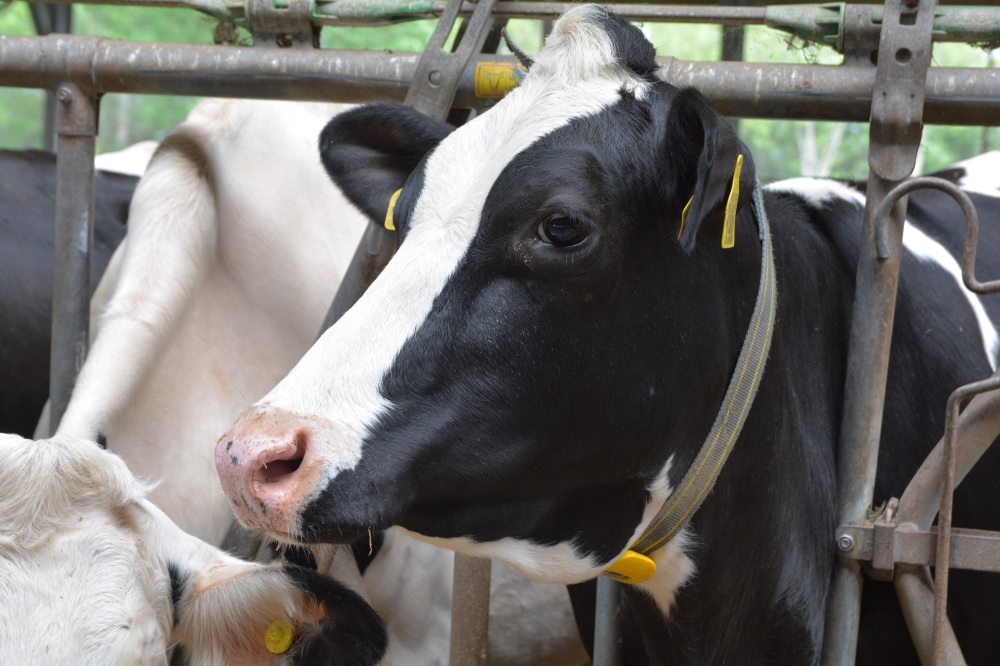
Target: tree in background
783, 148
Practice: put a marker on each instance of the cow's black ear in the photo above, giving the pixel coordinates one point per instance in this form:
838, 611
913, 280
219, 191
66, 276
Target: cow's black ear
701, 150
352, 633
371, 150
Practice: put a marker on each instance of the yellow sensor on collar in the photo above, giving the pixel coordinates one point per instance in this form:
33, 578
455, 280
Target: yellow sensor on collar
631, 567
278, 637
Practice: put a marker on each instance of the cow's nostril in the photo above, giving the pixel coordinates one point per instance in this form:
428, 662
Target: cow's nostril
276, 470
280, 464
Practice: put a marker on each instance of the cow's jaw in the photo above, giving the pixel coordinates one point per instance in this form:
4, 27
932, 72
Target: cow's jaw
334, 391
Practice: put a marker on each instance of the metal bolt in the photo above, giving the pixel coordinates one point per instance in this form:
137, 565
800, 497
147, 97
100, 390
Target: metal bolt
845, 542
64, 95
435, 78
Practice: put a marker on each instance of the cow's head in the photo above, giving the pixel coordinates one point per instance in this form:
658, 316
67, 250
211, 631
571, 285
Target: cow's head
520, 380
92, 573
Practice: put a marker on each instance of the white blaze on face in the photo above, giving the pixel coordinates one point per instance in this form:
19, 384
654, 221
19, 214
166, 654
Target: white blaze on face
575, 75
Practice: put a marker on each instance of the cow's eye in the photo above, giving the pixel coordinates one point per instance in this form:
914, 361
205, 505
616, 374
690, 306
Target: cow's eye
562, 231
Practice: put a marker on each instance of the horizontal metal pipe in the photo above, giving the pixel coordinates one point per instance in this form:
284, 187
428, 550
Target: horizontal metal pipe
954, 96
326, 11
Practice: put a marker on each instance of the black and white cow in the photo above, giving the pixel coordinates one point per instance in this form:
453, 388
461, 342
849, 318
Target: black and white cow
236, 244
539, 364
27, 231
93, 573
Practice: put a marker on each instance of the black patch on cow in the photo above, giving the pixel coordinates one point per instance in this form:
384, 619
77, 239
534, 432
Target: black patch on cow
632, 50
178, 580
351, 635
27, 209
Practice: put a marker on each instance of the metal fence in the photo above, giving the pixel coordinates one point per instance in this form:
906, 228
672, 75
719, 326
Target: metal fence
886, 79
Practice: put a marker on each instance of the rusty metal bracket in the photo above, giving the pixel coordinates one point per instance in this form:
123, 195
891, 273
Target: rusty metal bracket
974, 550
883, 560
282, 23
438, 72
77, 110
860, 36
904, 56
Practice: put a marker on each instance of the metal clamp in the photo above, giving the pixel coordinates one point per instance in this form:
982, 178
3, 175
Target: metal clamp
883, 561
438, 72
282, 23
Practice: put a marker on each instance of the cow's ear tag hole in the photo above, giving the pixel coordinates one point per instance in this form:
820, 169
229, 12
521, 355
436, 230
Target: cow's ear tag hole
389, 224
729, 223
278, 637
631, 567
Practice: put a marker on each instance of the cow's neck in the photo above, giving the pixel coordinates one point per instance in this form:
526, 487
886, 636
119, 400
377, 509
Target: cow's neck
744, 579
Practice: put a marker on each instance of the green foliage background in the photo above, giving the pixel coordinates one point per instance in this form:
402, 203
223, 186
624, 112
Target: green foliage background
126, 119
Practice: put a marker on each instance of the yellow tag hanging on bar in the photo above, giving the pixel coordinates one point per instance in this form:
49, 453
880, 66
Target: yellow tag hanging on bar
392, 205
729, 223
684, 214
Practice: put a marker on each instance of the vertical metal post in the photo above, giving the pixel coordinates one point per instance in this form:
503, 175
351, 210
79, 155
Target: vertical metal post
470, 611
896, 126
733, 37
49, 19
76, 123
606, 635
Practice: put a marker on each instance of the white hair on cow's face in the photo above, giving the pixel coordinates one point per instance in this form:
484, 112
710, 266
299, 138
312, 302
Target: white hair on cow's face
575, 75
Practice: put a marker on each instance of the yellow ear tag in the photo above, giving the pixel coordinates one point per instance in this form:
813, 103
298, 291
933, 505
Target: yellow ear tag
278, 637
392, 205
729, 223
631, 567
684, 214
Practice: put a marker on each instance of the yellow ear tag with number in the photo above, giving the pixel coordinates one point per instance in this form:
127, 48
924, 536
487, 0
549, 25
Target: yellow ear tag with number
631, 567
278, 637
392, 205
684, 214
729, 223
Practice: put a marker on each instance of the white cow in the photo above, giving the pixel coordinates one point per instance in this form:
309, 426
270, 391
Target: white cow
236, 244
91, 572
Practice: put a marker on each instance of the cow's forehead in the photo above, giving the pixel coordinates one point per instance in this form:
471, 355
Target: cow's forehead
580, 72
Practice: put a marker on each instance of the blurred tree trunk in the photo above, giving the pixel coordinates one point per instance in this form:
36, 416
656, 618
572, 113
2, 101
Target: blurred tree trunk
814, 161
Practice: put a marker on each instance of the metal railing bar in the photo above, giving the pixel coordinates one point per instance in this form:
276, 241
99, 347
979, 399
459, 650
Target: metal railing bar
954, 96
